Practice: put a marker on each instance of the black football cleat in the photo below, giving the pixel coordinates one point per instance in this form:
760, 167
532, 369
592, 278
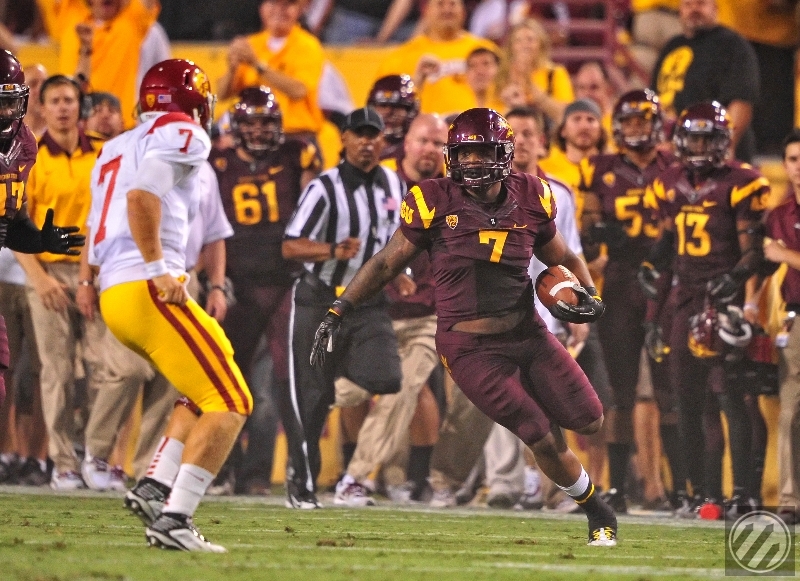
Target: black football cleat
602, 523
177, 532
146, 499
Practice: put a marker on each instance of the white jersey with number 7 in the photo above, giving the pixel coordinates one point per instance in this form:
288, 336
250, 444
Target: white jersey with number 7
169, 137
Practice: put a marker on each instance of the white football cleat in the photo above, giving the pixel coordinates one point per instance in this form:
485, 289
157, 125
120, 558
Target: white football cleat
96, 473
177, 531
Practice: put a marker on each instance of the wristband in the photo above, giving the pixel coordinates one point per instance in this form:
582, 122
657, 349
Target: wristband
340, 307
85, 282
156, 268
218, 287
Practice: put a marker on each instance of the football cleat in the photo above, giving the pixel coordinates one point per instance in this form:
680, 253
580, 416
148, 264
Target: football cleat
69, 480
119, 480
500, 500
443, 498
603, 537
351, 493
301, 498
146, 499
96, 473
177, 531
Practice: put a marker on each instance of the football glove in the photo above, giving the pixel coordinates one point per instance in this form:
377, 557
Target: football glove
723, 288
613, 234
590, 307
654, 342
325, 336
60, 240
648, 278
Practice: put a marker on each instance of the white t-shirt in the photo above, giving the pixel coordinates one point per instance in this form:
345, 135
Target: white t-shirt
169, 137
210, 224
10, 270
568, 226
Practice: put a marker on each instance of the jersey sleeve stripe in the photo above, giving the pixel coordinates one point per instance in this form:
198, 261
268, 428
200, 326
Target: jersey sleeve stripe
173, 117
739, 194
193, 346
221, 358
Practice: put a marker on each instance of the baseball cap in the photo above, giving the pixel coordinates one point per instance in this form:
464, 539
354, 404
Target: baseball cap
583, 106
364, 117
99, 97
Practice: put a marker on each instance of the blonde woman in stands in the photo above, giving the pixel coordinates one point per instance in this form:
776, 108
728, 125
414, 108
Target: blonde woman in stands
527, 76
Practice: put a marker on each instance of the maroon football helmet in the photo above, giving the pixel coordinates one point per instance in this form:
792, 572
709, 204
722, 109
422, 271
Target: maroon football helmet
396, 99
181, 86
257, 121
479, 126
702, 135
642, 103
719, 332
13, 93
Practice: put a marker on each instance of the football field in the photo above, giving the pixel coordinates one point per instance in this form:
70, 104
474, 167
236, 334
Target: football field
88, 536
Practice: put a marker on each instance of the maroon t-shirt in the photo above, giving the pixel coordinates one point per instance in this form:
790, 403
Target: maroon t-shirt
479, 252
620, 185
783, 223
259, 198
704, 217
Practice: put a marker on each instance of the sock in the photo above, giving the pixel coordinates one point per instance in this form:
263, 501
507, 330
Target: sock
419, 461
348, 449
42, 465
189, 487
582, 489
618, 459
166, 461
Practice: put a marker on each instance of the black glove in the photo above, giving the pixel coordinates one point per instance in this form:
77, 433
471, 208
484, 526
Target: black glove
654, 342
723, 288
60, 240
327, 331
648, 278
590, 307
612, 233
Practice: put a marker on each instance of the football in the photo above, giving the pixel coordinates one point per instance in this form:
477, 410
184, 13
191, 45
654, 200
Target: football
556, 284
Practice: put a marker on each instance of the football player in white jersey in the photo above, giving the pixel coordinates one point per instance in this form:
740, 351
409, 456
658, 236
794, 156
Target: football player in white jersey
144, 195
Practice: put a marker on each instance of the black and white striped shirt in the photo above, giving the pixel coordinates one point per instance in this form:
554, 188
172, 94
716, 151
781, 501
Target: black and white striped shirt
344, 202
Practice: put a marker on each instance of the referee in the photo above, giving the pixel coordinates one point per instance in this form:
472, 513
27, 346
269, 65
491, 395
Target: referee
344, 217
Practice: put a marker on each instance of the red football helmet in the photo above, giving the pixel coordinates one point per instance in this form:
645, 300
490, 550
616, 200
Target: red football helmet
13, 93
479, 126
642, 103
702, 135
178, 85
719, 333
396, 99
257, 121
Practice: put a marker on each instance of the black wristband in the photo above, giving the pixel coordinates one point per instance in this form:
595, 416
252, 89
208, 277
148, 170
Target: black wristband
340, 307
333, 249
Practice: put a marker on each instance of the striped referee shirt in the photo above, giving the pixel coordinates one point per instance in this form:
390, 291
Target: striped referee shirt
344, 202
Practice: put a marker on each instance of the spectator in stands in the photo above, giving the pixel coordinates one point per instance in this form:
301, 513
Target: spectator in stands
785, 247
528, 77
95, 37
773, 31
104, 119
482, 67
709, 62
283, 57
34, 119
354, 21
654, 23
436, 59
591, 81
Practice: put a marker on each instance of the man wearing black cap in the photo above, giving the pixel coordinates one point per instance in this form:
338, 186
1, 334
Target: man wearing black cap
344, 217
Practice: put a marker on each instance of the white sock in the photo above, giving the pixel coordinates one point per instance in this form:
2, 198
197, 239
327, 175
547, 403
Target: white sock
580, 487
7, 458
189, 487
42, 465
166, 461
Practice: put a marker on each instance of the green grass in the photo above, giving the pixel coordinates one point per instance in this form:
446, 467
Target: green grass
48, 537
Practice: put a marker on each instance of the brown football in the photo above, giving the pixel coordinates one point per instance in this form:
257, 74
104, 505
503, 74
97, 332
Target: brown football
556, 284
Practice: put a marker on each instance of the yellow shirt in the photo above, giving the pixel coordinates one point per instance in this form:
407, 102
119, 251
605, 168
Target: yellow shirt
753, 20
447, 92
301, 58
116, 41
62, 182
560, 167
554, 81
645, 5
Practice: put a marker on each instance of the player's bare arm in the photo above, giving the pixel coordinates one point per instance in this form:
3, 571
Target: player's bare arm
307, 250
370, 278
86, 294
144, 218
557, 252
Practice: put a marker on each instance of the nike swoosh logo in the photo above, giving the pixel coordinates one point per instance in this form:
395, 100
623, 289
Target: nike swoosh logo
523, 226
22, 167
274, 170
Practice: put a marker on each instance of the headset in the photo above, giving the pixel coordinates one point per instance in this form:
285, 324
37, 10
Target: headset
85, 101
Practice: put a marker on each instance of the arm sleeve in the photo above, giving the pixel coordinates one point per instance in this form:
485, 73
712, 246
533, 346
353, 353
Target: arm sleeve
311, 215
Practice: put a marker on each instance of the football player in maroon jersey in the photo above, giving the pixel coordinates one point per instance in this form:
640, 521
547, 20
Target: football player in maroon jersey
17, 156
396, 100
480, 227
615, 214
712, 238
260, 180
